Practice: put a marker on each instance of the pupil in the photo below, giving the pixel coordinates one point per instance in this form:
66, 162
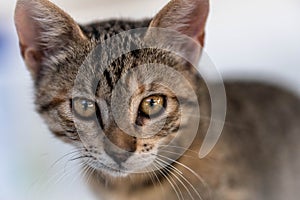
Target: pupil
85, 105
152, 102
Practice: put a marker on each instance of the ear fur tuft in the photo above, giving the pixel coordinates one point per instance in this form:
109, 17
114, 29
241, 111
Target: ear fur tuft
44, 30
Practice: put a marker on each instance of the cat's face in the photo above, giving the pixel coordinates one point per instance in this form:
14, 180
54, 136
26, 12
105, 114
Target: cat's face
123, 114
126, 103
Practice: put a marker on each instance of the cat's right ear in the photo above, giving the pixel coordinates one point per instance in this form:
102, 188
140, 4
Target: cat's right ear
180, 26
44, 30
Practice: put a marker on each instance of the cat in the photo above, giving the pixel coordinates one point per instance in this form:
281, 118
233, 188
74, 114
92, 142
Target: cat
131, 108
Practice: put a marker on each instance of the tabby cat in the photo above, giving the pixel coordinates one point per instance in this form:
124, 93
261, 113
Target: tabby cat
132, 102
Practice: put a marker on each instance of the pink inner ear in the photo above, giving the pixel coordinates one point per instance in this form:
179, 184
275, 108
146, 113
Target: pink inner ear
26, 29
28, 34
197, 24
185, 16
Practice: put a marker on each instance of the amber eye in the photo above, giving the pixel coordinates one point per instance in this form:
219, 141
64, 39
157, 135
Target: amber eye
84, 108
152, 105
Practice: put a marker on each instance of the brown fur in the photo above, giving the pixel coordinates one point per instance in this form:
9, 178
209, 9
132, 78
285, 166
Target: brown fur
257, 156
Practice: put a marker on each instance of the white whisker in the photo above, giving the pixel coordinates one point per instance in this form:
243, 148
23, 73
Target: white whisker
178, 147
179, 180
175, 153
189, 169
183, 177
171, 181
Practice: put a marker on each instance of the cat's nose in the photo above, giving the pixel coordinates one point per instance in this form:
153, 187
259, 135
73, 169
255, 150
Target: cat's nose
118, 154
119, 145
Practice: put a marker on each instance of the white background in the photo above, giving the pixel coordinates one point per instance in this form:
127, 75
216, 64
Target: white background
257, 39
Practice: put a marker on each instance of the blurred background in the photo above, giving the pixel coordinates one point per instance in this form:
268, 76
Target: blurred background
257, 39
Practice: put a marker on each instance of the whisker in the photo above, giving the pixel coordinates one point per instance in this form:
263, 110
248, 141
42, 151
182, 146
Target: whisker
179, 154
77, 150
75, 158
183, 177
151, 171
179, 147
56, 162
189, 169
65, 174
58, 176
79, 157
151, 178
171, 181
76, 176
88, 173
179, 180
83, 168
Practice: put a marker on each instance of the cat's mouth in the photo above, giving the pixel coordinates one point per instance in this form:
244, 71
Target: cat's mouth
116, 171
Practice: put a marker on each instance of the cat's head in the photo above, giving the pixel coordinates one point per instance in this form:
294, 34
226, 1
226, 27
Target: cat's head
126, 101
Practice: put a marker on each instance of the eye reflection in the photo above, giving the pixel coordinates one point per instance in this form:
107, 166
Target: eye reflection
84, 108
152, 106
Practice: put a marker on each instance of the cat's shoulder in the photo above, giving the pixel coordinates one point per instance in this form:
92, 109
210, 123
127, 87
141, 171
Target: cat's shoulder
260, 92
269, 108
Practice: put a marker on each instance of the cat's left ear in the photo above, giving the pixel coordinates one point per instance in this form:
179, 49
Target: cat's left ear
44, 31
186, 17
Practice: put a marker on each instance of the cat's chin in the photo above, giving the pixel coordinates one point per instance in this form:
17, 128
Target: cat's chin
113, 172
116, 173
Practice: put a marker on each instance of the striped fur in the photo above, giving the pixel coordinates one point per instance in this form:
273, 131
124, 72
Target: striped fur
131, 156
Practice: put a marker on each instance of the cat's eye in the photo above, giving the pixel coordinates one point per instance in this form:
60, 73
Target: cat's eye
84, 108
152, 105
